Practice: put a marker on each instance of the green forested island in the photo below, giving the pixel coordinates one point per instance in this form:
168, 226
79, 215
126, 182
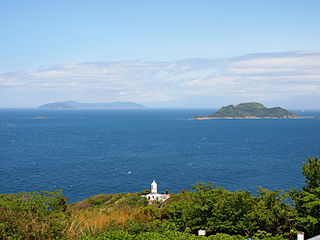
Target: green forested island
250, 110
223, 214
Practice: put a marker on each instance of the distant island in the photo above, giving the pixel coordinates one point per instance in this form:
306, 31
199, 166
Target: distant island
77, 105
250, 110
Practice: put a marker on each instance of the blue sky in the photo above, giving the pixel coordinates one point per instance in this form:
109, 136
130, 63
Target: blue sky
48, 36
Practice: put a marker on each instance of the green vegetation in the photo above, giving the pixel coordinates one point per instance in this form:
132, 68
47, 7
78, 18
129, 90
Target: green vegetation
34, 215
225, 215
251, 110
307, 201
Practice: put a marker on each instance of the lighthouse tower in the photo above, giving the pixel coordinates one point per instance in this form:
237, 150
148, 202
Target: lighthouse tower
154, 195
154, 187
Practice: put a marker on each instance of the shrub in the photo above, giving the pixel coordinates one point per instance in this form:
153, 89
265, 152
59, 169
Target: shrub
33, 215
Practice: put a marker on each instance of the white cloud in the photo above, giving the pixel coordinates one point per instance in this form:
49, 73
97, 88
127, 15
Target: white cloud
259, 76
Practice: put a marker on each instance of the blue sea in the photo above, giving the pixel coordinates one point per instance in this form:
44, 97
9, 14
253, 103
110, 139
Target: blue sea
88, 152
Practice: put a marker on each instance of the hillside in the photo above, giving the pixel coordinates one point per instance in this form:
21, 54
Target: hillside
251, 110
77, 105
224, 214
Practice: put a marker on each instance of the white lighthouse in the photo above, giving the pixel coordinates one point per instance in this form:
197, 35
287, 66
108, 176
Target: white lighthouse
154, 187
154, 195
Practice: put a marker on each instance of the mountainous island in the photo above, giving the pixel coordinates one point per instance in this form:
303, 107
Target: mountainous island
250, 110
77, 105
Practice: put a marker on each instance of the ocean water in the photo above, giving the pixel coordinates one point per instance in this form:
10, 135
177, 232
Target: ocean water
97, 151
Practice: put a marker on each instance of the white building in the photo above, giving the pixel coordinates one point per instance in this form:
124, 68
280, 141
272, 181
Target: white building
154, 195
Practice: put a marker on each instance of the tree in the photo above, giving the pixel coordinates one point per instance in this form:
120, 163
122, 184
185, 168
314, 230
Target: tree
311, 171
307, 201
33, 215
273, 213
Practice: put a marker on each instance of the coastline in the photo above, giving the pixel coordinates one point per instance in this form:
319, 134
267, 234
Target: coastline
208, 118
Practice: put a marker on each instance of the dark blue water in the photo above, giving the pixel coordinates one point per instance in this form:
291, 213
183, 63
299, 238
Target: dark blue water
90, 152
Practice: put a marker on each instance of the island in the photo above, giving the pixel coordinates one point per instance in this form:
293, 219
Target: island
250, 110
76, 105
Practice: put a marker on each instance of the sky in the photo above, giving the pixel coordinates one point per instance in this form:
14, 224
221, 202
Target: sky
178, 53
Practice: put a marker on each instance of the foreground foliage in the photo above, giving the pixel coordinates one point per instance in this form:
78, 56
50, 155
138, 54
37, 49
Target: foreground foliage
168, 235
307, 200
33, 215
223, 214
218, 210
